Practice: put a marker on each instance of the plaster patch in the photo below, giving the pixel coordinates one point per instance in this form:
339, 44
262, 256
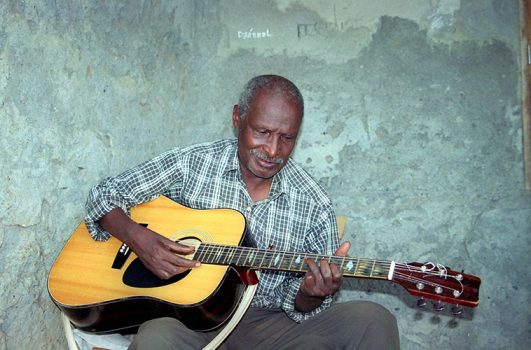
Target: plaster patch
364, 12
442, 16
333, 32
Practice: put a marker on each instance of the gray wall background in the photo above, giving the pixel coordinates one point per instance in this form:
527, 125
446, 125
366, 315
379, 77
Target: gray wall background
413, 125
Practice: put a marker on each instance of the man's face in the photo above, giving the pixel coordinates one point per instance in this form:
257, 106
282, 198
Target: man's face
267, 134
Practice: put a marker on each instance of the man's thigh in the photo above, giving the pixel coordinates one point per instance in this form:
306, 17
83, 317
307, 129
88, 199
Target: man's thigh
350, 325
168, 334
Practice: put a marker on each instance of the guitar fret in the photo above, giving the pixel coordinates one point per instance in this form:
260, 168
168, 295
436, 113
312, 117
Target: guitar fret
361, 269
291, 262
267, 259
365, 268
319, 258
275, 261
251, 256
222, 255
281, 261
205, 253
215, 254
270, 256
316, 258
211, 255
380, 270
237, 263
218, 254
287, 261
198, 253
342, 264
263, 257
202, 254
225, 254
229, 255
299, 261
352, 265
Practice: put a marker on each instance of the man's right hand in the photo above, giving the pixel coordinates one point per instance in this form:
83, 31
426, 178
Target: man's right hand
159, 254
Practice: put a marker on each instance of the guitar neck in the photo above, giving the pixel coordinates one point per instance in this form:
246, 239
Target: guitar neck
263, 259
428, 280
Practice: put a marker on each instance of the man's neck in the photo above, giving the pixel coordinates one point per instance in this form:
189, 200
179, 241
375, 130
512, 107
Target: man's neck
258, 188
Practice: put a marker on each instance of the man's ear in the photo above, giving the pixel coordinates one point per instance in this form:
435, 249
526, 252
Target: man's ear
236, 117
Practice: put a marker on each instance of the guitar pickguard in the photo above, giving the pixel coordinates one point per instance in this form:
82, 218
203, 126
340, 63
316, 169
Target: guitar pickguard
137, 275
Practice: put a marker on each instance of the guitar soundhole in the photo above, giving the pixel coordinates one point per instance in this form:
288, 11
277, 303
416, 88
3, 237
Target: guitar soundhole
138, 276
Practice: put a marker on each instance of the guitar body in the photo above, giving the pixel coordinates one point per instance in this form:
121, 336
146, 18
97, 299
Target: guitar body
100, 298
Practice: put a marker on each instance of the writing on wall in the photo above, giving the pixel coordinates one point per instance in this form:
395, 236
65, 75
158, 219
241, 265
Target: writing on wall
319, 28
252, 34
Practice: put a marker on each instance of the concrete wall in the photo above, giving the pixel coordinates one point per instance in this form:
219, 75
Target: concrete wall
413, 125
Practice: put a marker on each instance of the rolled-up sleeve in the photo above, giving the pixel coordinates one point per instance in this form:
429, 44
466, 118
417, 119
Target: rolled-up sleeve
137, 185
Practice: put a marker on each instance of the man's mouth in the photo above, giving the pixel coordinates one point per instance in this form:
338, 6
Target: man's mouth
264, 160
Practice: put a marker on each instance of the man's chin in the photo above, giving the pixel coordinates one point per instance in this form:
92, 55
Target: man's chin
265, 174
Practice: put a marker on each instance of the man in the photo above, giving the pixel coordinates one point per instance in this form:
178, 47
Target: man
285, 209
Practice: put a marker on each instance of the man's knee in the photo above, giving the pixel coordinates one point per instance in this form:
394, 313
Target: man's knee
379, 326
378, 313
160, 324
159, 333
365, 310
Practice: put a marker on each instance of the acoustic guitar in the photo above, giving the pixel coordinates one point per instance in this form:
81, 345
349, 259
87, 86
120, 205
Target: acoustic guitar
103, 287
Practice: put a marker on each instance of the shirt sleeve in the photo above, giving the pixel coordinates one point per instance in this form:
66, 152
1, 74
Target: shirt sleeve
138, 185
323, 240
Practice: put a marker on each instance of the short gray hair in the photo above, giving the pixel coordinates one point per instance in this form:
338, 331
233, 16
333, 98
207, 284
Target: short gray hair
274, 83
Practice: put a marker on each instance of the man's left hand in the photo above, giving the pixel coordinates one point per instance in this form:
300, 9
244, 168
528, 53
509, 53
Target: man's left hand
320, 281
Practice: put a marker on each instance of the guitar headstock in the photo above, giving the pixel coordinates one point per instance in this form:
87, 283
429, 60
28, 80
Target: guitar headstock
439, 283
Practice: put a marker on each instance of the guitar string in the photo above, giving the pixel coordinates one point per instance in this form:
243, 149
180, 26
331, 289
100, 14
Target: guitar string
226, 253
414, 279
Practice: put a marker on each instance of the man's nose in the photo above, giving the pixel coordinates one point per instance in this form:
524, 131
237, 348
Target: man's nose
272, 146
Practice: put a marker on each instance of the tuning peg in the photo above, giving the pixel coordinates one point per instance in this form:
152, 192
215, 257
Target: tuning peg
421, 302
438, 306
457, 310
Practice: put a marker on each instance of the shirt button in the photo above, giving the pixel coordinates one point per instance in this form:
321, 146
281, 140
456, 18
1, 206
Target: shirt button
248, 209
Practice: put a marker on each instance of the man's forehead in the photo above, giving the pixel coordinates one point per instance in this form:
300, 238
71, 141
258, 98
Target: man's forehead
268, 95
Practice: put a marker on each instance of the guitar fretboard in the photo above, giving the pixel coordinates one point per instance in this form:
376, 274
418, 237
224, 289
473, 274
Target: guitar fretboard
289, 261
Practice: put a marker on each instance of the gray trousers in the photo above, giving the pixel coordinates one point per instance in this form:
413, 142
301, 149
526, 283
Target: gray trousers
349, 325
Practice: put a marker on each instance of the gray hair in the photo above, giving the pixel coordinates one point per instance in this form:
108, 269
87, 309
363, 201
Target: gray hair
274, 83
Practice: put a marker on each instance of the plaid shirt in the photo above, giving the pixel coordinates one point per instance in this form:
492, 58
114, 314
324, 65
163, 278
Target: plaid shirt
297, 216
